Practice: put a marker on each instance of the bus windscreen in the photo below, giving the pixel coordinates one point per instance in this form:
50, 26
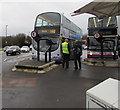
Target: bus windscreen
94, 44
105, 22
48, 19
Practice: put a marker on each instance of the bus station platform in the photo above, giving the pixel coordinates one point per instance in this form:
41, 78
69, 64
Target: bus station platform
102, 62
34, 66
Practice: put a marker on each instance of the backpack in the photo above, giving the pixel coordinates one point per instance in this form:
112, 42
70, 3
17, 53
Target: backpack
79, 51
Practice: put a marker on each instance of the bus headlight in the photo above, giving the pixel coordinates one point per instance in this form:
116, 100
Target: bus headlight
112, 53
91, 53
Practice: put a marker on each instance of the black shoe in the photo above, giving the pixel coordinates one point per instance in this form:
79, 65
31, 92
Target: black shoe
75, 68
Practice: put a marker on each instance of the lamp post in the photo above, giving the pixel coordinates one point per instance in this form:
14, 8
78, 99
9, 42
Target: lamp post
6, 30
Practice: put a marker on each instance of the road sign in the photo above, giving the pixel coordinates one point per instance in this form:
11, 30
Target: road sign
34, 34
96, 35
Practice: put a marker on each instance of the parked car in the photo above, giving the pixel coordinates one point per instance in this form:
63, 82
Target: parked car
31, 47
5, 48
25, 49
13, 50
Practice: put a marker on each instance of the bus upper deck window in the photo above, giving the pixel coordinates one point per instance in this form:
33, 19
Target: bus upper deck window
39, 22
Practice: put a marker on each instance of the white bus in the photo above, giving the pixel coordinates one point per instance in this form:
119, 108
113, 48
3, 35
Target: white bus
52, 25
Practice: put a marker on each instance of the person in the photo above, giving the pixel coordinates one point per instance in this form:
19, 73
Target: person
119, 50
65, 53
77, 52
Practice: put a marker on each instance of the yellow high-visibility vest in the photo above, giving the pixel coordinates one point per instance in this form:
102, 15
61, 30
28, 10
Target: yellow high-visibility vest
65, 48
60, 37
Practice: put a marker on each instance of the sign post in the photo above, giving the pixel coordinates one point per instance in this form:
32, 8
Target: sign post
98, 37
37, 39
38, 54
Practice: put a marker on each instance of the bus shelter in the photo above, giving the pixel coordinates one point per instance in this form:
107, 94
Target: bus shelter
100, 8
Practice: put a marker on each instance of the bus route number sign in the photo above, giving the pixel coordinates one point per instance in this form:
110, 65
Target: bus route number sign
33, 34
96, 35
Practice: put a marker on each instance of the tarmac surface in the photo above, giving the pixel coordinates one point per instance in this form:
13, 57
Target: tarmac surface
57, 88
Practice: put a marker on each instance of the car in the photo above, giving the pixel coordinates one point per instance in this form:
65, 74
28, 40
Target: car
5, 48
25, 49
13, 50
31, 47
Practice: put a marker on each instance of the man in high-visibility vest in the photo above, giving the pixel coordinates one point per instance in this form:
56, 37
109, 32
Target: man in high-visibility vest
65, 53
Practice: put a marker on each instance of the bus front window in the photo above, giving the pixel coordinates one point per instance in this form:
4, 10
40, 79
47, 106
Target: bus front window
107, 44
94, 22
48, 19
44, 44
93, 43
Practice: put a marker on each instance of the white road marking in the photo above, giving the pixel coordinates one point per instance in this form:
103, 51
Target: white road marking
5, 59
18, 58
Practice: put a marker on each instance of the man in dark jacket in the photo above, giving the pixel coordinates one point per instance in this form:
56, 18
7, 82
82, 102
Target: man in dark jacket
119, 50
65, 53
77, 51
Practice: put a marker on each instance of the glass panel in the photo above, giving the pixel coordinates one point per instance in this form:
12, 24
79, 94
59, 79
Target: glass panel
48, 19
105, 22
44, 44
108, 45
45, 23
56, 44
70, 25
38, 22
93, 43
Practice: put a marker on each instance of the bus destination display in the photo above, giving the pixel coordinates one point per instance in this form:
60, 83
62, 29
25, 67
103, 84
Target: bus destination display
47, 31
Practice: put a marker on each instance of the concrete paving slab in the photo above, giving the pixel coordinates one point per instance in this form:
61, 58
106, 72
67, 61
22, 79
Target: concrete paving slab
33, 66
102, 62
31, 62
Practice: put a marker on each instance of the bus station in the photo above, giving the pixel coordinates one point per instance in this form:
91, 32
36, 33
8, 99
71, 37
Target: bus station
40, 81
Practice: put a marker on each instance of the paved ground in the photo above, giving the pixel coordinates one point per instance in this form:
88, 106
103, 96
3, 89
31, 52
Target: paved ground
102, 62
58, 88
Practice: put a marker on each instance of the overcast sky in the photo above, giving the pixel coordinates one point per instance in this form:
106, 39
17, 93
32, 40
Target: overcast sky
20, 16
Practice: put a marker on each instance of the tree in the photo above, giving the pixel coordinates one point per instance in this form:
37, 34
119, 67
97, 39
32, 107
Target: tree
20, 40
28, 41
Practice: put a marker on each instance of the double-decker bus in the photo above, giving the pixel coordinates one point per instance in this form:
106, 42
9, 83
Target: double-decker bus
51, 25
102, 37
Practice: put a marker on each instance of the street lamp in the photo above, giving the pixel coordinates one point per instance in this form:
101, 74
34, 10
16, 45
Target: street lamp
6, 30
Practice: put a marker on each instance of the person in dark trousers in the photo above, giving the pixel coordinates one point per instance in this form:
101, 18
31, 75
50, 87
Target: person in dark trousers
77, 52
119, 50
65, 48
